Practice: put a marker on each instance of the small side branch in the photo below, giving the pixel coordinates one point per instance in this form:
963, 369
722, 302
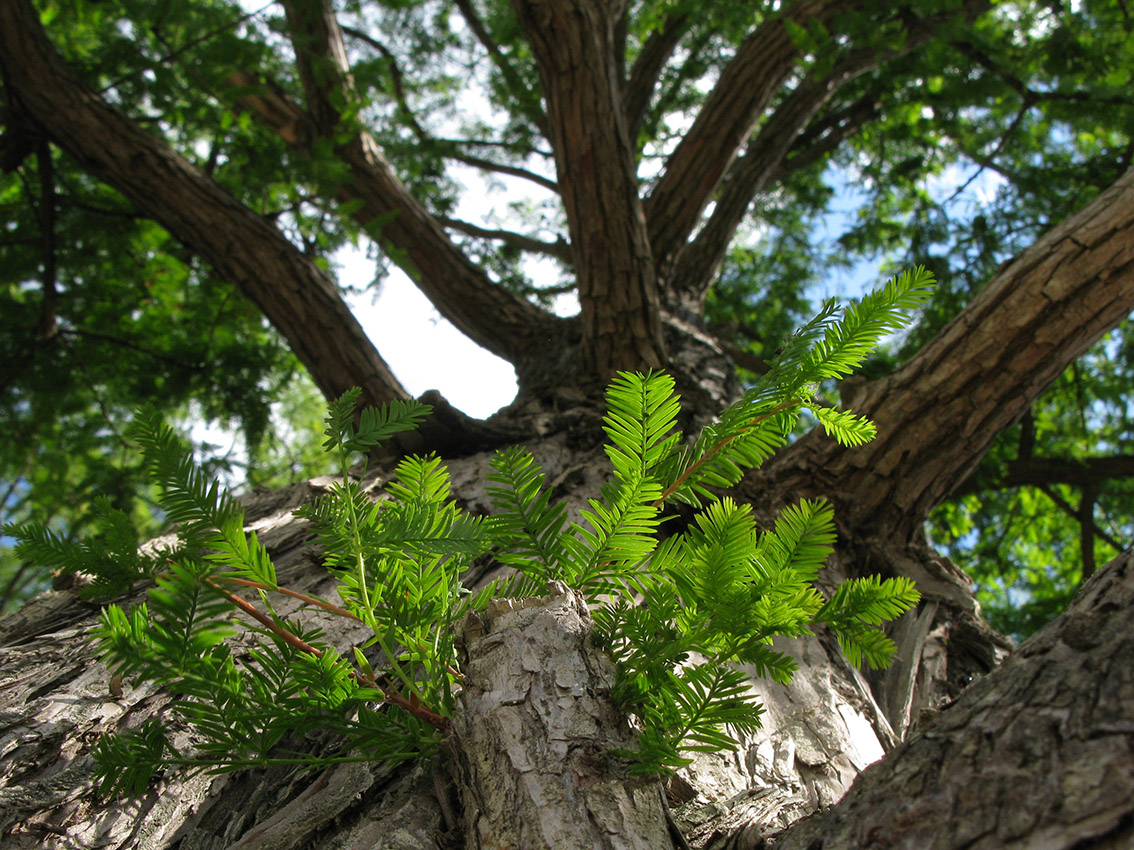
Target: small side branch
560, 249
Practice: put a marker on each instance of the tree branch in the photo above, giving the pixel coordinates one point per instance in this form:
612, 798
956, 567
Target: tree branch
1042, 471
698, 264
764, 60
514, 81
824, 136
447, 148
648, 67
939, 413
488, 314
1029, 95
296, 296
572, 42
559, 249
498, 167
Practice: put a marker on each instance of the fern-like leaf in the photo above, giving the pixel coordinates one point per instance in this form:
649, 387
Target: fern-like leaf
641, 422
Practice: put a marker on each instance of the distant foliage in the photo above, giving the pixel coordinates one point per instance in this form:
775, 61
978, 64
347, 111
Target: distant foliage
685, 615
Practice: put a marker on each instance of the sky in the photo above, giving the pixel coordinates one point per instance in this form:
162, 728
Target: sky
427, 352
423, 350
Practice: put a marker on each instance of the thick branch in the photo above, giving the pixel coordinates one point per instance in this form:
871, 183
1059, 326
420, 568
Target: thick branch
648, 66
939, 413
488, 314
765, 59
572, 42
296, 296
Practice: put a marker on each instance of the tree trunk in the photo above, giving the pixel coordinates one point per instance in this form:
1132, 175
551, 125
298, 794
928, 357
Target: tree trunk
534, 736
534, 726
618, 289
819, 732
528, 762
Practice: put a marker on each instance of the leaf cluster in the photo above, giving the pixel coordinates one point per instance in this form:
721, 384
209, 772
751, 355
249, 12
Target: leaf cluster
679, 614
687, 617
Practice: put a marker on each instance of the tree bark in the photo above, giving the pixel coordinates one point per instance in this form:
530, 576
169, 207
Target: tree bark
818, 733
298, 298
1040, 753
535, 734
938, 414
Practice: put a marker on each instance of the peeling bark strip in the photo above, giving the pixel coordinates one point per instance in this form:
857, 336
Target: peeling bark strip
296, 296
1038, 754
533, 735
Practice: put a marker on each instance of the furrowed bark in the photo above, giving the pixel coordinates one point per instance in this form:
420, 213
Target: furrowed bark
491, 316
1038, 754
938, 414
534, 735
572, 41
296, 296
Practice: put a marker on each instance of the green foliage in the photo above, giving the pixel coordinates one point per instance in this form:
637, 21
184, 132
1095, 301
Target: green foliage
686, 616
1031, 100
1029, 539
398, 563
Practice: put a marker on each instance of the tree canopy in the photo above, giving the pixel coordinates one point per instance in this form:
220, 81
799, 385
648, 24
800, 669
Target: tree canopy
177, 177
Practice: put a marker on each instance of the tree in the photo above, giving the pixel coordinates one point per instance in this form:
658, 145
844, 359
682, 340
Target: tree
203, 199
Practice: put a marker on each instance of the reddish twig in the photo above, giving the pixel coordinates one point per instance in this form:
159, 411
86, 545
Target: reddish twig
413, 707
295, 594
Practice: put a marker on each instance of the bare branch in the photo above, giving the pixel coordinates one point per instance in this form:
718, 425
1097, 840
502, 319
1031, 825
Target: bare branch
733, 109
698, 264
447, 148
507, 71
560, 249
1084, 515
824, 136
648, 67
500, 168
1044, 471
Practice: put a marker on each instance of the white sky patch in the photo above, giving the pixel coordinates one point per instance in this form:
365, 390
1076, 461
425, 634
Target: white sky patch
422, 349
